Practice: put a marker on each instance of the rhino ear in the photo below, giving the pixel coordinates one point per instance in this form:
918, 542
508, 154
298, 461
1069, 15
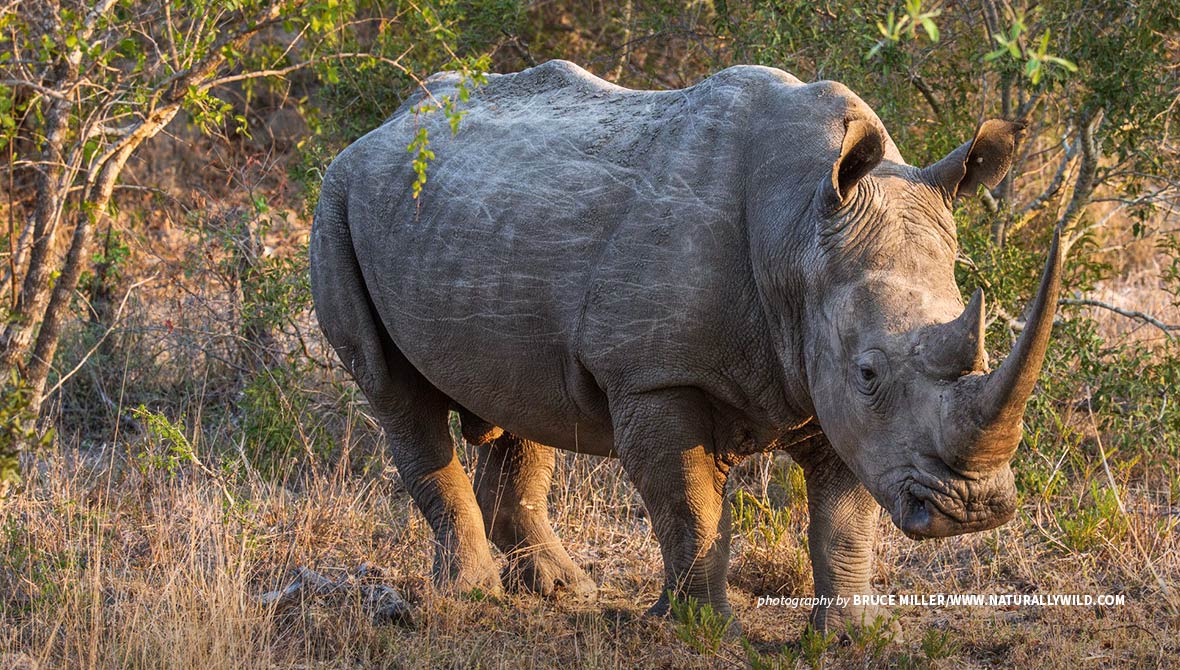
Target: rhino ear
983, 160
860, 152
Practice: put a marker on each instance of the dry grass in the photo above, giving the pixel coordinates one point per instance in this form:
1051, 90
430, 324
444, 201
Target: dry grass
107, 560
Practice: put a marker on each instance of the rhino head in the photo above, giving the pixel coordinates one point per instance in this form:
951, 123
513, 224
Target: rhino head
895, 362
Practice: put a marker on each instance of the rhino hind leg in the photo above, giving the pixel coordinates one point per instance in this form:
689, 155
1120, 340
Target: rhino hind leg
423, 451
512, 482
413, 412
414, 416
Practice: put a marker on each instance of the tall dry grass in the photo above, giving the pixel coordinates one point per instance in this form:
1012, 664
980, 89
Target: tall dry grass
118, 557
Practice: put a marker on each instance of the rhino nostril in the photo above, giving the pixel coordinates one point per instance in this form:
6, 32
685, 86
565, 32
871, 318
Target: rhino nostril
915, 518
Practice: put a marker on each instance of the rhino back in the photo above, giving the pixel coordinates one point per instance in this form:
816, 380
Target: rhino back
573, 239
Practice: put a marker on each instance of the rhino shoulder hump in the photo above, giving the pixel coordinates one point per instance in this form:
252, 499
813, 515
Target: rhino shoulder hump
840, 97
757, 75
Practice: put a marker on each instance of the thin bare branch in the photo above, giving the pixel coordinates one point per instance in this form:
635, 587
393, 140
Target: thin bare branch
1084, 185
1035, 206
923, 88
1135, 314
43, 90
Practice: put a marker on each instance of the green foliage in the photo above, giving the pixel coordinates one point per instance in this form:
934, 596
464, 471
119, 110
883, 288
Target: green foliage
872, 638
698, 625
452, 35
1094, 522
111, 258
935, 646
813, 645
276, 434
168, 450
757, 518
785, 659
18, 428
276, 290
1036, 62
472, 73
422, 156
1044, 479
938, 644
893, 29
209, 113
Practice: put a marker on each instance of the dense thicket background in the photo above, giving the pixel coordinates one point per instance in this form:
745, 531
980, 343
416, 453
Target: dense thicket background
186, 432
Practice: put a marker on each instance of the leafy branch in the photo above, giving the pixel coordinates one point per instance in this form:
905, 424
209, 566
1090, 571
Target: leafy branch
900, 24
1035, 62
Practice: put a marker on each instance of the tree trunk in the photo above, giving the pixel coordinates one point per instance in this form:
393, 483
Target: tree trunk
46, 214
102, 284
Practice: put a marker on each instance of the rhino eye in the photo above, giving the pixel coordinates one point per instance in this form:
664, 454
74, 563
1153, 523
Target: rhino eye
871, 367
866, 380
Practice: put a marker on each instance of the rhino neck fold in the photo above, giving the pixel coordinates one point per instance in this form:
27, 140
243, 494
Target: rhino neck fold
779, 260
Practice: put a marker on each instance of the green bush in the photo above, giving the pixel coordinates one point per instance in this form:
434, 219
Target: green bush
279, 431
18, 429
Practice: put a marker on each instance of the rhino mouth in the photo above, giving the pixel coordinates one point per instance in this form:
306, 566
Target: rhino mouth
926, 508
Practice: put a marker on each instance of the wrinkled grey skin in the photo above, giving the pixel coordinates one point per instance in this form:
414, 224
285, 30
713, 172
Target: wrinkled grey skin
679, 279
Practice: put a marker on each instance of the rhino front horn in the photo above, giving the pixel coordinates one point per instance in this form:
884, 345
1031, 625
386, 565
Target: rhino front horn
1006, 391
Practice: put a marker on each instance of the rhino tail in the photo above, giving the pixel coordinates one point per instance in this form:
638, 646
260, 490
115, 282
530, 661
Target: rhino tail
343, 305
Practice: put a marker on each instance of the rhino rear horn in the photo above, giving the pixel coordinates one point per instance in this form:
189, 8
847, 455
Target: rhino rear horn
956, 348
861, 150
983, 160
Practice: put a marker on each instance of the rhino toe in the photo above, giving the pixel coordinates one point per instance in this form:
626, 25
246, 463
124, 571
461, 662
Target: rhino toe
550, 577
844, 621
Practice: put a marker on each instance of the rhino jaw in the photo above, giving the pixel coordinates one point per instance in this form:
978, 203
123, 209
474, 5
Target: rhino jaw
921, 520
954, 505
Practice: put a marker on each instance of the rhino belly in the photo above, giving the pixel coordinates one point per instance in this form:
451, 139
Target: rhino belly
493, 324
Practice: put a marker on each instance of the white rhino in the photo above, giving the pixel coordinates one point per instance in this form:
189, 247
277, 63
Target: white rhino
678, 279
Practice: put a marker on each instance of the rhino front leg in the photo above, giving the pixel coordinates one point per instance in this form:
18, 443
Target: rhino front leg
513, 478
666, 448
841, 536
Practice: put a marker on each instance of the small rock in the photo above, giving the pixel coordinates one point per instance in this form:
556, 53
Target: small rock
384, 604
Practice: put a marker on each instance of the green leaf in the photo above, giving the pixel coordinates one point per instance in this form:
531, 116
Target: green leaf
1068, 65
1033, 70
931, 28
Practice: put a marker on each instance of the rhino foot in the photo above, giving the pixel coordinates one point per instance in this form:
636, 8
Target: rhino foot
663, 609
476, 579
550, 576
846, 621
